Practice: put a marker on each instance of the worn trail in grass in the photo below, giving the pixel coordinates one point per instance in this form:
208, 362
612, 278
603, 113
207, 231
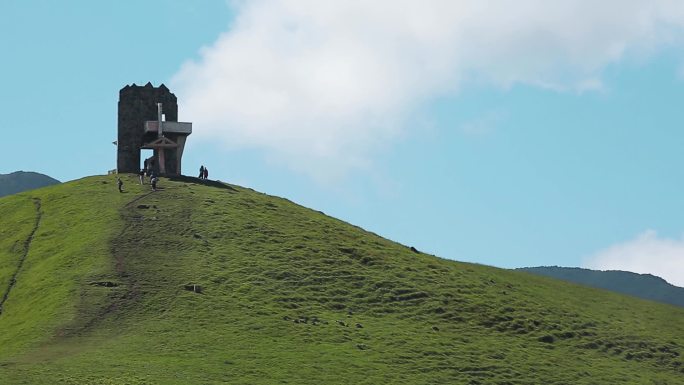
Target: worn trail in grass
24, 253
199, 284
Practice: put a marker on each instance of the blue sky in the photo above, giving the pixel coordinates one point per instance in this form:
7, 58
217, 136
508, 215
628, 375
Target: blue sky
474, 132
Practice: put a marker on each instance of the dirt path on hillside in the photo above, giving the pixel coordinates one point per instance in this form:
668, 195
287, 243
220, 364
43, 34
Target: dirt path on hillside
27, 247
120, 249
124, 293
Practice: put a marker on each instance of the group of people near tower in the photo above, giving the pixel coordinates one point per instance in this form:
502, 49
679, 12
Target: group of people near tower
153, 180
153, 177
204, 172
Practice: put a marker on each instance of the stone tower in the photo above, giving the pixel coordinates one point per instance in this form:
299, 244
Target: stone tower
139, 123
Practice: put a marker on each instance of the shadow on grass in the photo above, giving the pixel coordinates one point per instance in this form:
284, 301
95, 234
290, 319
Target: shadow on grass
206, 182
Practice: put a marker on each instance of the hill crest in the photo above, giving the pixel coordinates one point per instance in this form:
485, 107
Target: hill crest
645, 286
20, 181
194, 284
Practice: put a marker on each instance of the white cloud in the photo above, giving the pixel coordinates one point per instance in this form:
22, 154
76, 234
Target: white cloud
322, 85
646, 254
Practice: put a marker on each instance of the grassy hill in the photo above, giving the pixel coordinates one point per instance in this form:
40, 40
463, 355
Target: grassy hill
199, 284
22, 181
644, 286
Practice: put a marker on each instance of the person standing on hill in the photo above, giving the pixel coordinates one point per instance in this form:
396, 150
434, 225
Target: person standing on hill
206, 173
119, 184
201, 175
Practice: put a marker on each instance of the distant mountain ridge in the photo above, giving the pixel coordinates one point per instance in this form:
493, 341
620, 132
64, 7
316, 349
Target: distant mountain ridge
20, 181
645, 286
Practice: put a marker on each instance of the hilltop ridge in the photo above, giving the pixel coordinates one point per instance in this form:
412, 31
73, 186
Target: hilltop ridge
19, 181
646, 286
196, 284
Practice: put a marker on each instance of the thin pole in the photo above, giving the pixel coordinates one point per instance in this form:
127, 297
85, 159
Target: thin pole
159, 120
162, 161
160, 134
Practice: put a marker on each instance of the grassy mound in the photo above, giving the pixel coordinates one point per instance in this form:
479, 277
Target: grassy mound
200, 284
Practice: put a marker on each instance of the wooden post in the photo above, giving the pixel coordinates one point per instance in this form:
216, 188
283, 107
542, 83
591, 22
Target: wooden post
162, 162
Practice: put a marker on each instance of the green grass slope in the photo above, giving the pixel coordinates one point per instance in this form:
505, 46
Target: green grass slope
198, 284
